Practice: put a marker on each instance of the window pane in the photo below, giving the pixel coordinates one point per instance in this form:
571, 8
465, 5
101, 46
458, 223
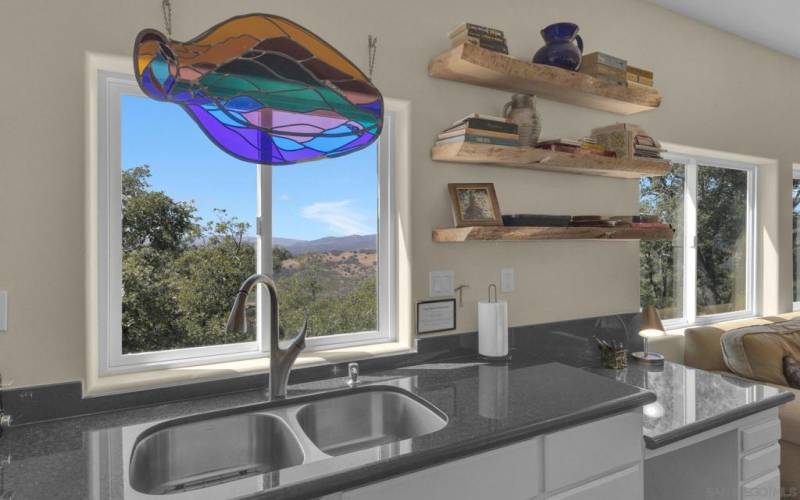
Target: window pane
721, 240
324, 226
795, 239
661, 279
187, 231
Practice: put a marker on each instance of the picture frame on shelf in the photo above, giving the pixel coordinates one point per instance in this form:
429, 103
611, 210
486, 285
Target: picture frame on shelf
474, 204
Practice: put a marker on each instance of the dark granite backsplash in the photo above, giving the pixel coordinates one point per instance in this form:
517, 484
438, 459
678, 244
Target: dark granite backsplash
568, 342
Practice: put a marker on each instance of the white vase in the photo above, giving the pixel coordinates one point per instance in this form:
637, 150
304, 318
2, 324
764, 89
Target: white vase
522, 111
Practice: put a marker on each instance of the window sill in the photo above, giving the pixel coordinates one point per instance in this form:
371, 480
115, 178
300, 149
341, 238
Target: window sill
129, 382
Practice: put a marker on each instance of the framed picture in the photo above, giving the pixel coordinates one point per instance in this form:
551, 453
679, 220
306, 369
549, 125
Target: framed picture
475, 205
436, 315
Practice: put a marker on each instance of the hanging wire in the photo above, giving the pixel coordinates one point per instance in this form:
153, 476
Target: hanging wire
372, 45
166, 12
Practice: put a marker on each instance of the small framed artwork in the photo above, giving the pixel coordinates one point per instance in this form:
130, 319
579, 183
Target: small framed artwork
475, 205
436, 315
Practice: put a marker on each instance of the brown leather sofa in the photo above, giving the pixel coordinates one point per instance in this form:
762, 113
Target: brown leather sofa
702, 349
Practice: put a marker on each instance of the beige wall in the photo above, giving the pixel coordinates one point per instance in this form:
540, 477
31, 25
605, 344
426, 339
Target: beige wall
720, 92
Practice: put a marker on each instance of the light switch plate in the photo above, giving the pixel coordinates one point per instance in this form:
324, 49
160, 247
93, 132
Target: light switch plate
507, 280
3, 311
442, 283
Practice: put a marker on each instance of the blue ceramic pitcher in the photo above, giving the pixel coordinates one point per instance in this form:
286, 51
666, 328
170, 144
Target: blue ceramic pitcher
559, 50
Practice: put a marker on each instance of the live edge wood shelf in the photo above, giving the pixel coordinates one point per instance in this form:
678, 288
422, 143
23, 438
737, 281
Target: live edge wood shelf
542, 159
525, 233
471, 64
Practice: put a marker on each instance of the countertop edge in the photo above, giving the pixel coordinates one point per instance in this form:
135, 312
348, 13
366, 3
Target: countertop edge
656, 442
412, 462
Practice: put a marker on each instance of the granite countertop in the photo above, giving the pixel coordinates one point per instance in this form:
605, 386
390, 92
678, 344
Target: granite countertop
692, 401
486, 405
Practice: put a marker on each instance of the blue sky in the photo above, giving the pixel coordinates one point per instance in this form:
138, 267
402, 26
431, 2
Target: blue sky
336, 197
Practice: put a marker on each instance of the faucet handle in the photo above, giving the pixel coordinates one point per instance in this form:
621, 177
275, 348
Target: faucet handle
352, 370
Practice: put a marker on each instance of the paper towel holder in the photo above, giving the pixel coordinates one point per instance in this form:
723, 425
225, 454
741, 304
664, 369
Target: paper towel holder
492, 286
492, 358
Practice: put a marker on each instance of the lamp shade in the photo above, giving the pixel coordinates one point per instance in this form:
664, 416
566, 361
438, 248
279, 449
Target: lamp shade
651, 325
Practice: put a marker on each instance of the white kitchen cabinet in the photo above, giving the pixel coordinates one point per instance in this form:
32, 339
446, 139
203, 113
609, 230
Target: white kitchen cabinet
601, 460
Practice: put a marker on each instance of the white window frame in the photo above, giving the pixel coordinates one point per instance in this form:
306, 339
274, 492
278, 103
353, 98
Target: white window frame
109, 87
795, 176
690, 317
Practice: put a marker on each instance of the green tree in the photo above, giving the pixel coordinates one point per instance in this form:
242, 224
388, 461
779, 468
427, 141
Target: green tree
721, 223
279, 254
721, 241
661, 261
151, 218
180, 276
208, 276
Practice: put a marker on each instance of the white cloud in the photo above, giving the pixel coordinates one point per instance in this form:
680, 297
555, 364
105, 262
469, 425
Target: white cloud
339, 217
284, 197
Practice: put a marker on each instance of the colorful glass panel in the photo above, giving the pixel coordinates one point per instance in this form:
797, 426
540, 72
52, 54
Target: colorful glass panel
264, 89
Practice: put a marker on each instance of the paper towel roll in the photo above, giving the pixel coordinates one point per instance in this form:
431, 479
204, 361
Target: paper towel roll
493, 329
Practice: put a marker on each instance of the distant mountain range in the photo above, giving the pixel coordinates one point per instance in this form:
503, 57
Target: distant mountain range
328, 244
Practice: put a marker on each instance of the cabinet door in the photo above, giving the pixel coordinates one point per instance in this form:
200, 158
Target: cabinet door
590, 450
624, 485
767, 487
509, 473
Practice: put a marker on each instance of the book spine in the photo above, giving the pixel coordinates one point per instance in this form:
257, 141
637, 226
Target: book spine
477, 28
480, 139
602, 59
493, 46
479, 36
480, 123
491, 140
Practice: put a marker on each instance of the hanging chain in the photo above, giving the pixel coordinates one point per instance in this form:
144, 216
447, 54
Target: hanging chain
166, 12
372, 44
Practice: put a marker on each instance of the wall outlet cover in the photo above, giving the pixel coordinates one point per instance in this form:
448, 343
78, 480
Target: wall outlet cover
507, 280
442, 283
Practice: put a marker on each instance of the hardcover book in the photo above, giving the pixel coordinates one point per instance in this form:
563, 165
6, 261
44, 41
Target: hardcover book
479, 139
484, 124
476, 29
472, 131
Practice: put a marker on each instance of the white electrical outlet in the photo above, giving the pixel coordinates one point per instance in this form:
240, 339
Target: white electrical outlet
442, 283
3, 311
507, 280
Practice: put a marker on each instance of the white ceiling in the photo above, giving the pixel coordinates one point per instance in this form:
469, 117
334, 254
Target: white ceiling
773, 23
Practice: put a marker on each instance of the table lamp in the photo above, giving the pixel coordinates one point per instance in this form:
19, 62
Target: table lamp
650, 327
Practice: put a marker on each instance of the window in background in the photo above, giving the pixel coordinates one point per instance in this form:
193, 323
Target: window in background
188, 231
662, 261
721, 240
182, 224
325, 237
706, 273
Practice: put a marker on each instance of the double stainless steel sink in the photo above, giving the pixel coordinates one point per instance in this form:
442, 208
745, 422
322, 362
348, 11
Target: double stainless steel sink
199, 452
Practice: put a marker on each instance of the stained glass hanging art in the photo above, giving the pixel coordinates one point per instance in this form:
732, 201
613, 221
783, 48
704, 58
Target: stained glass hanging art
263, 89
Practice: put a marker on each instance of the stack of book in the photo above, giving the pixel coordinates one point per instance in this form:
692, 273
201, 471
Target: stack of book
587, 145
640, 76
645, 146
560, 144
484, 129
591, 146
628, 141
604, 67
487, 38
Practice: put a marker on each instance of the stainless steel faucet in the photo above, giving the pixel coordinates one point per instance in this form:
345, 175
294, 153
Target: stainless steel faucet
281, 359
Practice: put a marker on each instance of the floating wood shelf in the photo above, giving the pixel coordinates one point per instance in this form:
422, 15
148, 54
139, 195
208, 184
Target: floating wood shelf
542, 159
525, 233
471, 64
